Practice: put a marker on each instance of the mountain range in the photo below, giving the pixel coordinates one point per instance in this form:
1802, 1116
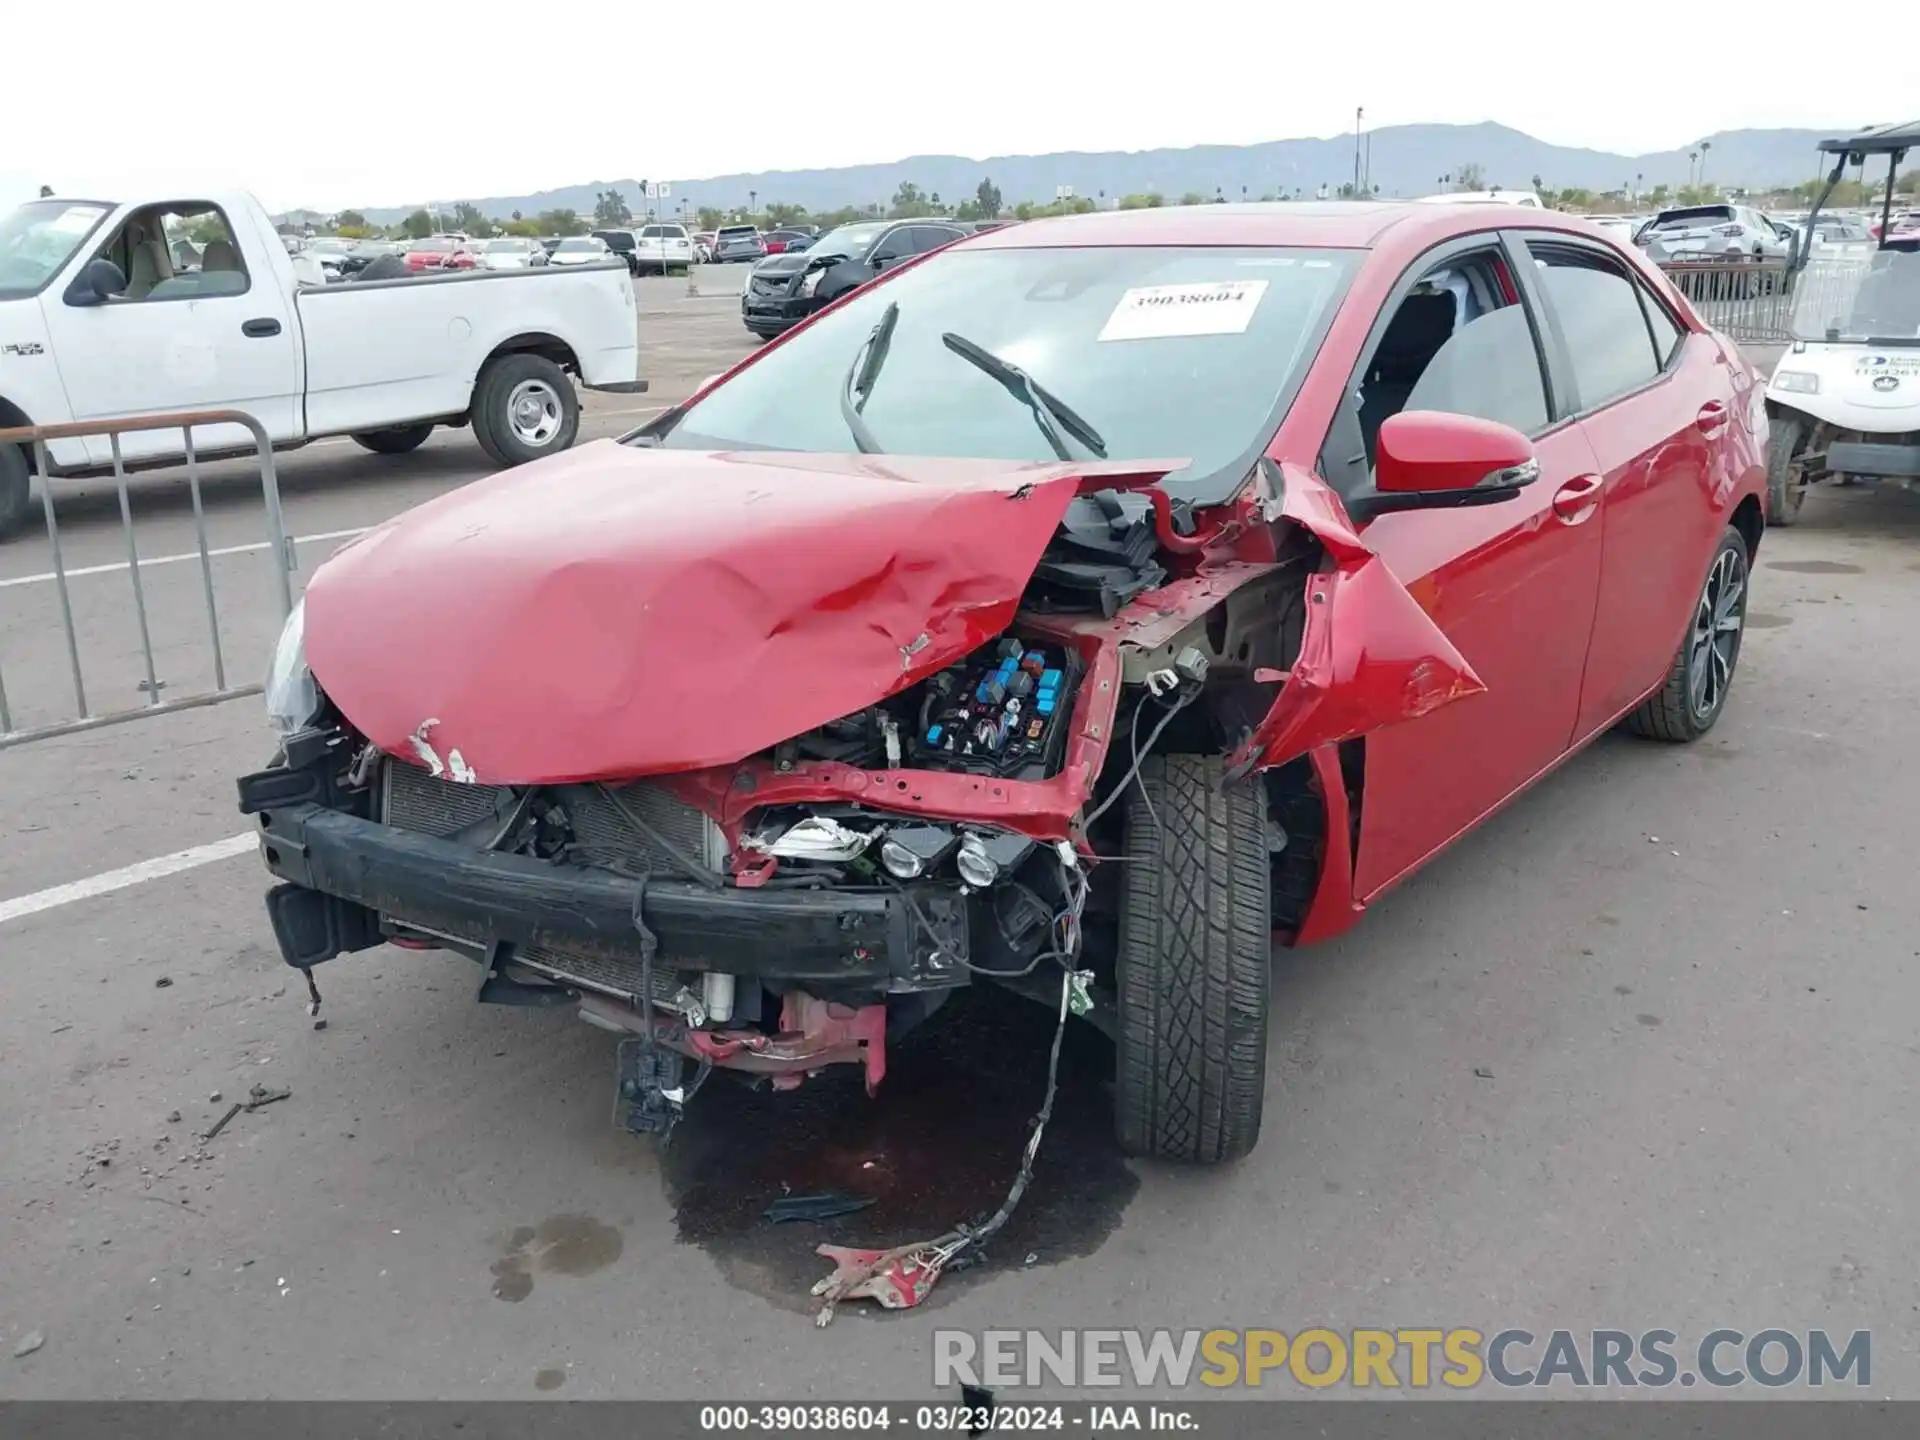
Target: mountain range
1400, 160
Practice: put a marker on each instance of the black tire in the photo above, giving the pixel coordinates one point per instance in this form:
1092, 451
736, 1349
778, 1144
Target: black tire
1786, 487
494, 395
1194, 964
16, 484
397, 441
1683, 709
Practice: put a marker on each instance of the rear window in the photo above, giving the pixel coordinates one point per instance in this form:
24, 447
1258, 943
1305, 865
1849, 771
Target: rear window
735, 232
432, 244
1698, 215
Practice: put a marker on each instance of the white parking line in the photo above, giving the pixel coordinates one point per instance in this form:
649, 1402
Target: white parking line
156, 869
147, 563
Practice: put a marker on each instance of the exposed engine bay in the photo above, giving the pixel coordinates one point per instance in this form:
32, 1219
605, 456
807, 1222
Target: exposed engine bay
1001, 711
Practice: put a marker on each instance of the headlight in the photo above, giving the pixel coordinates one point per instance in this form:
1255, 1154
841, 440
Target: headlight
1797, 382
811, 281
293, 699
910, 851
984, 859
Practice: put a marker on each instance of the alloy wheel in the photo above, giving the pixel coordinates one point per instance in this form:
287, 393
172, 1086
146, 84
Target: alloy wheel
1713, 644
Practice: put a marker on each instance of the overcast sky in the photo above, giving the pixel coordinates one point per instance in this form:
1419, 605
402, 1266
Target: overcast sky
378, 104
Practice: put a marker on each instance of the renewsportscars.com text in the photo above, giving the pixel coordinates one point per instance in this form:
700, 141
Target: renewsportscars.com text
1412, 1359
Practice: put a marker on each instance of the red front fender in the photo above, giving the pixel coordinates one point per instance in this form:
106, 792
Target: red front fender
1369, 655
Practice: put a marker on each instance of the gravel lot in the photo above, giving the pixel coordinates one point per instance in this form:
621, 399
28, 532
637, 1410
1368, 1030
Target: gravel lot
1640, 1053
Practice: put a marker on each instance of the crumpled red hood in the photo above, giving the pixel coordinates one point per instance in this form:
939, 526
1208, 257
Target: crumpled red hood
617, 611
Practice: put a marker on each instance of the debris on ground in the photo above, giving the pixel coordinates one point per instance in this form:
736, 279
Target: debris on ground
265, 1095
1482, 1072
29, 1343
221, 1124
163, 982
900, 1278
824, 1206
214, 1098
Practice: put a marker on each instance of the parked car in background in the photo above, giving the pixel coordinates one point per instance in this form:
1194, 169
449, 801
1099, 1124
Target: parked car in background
621, 242
734, 243
787, 238
433, 252
1700, 233
784, 289
664, 248
1617, 227
333, 252
703, 247
582, 250
1294, 489
1495, 196
88, 287
511, 252
1902, 222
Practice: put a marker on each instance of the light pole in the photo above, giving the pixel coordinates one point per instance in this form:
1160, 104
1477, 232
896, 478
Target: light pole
1359, 114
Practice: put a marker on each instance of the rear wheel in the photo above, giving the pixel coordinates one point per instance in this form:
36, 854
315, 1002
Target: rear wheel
397, 441
524, 408
1697, 685
1193, 964
15, 487
1786, 477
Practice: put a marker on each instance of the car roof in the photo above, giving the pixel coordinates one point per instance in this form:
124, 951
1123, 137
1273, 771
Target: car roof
1319, 225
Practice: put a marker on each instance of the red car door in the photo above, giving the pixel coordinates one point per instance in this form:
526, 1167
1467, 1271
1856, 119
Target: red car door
1652, 396
1512, 586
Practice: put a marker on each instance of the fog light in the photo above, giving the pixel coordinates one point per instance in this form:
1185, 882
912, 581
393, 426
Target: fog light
910, 851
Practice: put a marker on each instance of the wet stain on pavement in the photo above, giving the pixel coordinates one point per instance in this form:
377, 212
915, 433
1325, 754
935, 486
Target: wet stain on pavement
549, 1379
1814, 567
939, 1146
1652, 1022
558, 1245
1760, 620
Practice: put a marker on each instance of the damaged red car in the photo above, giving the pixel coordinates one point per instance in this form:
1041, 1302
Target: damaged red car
1075, 609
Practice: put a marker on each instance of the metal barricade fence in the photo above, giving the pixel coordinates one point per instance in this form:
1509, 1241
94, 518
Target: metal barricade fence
278, 548
1766, 302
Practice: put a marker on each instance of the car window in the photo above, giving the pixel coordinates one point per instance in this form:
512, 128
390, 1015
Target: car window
1667, 332
1488, 368
144, 248
1180, 353
1601, 319
932, 237
895, 243
39, 238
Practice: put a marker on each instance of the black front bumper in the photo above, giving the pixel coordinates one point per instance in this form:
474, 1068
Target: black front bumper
348, 878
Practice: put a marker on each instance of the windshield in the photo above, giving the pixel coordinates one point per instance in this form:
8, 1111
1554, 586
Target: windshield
848, 240
1168, 353
508, 247
576, 247
37, 239
433, 244
1859, 297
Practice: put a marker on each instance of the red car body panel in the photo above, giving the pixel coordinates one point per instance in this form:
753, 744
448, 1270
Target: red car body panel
593, 617
1471, 650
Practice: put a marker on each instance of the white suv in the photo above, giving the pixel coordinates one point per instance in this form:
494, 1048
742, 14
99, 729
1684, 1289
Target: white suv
662, 248
1712, 232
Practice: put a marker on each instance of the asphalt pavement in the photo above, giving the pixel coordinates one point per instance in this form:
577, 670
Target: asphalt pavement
1639, 1053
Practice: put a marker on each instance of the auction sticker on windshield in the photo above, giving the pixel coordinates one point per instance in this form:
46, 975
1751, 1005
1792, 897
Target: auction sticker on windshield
1155, 312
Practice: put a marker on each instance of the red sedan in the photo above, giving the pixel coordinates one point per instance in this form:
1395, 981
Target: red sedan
1271, 548
439, 252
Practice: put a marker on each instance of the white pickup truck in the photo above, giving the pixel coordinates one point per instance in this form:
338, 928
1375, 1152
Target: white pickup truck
98, 324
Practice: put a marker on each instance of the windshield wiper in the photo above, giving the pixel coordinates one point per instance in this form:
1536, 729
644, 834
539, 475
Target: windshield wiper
861, 374
1047, 407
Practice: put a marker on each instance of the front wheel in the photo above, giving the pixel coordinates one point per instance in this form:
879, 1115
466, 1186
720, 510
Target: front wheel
1194, 963
1786, 476
524, 408
1697, 685
397, 441
16, 481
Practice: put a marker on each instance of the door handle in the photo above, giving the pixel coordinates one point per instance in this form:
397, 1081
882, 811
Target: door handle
1712, 418
260, 329
1575, 500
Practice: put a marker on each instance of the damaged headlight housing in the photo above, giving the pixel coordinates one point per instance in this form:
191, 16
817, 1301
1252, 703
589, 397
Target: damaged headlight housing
810, 282
292, 695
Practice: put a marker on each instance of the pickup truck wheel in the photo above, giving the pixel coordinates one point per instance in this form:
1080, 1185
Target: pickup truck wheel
1194, 963
15, 484
523, 408
397, 441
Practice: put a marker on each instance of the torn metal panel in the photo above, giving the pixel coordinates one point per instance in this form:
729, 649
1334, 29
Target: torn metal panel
1369, 656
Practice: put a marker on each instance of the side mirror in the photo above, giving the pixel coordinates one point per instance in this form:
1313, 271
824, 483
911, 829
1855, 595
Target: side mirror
96, 284
1431, 460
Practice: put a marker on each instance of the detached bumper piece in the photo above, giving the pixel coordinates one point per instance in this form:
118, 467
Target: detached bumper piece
358, 871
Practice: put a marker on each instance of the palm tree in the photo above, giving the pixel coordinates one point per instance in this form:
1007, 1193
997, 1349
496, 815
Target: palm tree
1705, 145
1692, 157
